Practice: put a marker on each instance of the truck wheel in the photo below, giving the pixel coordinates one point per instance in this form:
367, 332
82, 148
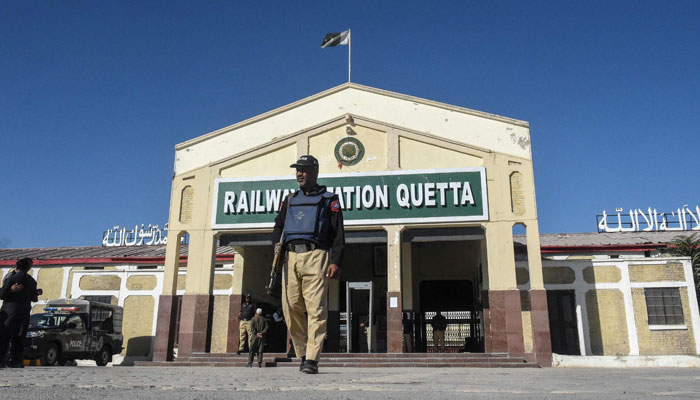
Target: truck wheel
103, 357
51, 355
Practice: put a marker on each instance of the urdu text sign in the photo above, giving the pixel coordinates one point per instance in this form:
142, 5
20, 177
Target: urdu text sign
365, 198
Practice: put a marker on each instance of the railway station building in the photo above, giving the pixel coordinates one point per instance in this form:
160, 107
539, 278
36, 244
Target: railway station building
440, 216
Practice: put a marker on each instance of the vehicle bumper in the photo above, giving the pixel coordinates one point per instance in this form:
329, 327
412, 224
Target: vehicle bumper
34, 348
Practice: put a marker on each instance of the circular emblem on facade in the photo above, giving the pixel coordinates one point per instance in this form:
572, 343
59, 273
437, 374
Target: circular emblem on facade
349, 151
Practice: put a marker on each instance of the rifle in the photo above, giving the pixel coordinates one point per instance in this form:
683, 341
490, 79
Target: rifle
276, 265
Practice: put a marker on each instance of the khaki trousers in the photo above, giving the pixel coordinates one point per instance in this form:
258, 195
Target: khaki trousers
245, 332
304, 289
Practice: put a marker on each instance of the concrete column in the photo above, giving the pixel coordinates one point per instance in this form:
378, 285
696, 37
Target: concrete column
503, 323
541, 336
539, 313
394, 327
172, 262
534, 257
201, 259
164, 342
194, 324
501, 258
195, 317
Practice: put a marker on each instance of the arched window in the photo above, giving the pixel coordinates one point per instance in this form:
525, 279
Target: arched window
517, 196
186, 201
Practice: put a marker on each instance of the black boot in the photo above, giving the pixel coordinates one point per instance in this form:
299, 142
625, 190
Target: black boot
310, 367
303, 360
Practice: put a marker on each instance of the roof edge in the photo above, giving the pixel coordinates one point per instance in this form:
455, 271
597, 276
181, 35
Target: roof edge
106, 260
601, 248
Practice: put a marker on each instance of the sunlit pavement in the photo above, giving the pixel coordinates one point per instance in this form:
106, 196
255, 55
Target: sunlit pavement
86, 382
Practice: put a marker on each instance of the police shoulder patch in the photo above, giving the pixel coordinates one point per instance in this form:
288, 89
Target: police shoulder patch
335, 206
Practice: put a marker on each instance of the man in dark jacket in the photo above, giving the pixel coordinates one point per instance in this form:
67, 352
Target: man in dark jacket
259, 327
439, 324
312, 221
17, 292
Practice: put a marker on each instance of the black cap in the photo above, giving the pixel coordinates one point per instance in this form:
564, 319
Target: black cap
306, 161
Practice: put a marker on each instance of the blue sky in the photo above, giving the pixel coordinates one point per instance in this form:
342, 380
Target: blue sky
94, 95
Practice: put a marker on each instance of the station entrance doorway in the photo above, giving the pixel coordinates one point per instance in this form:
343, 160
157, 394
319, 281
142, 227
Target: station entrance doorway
359, 311
457, 302
446, 275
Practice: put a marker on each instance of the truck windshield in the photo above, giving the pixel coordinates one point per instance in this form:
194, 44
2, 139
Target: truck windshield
47, 320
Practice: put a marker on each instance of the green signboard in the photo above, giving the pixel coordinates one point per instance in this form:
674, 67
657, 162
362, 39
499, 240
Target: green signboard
441, 195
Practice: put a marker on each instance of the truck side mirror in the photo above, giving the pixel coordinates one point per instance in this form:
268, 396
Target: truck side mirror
71, 325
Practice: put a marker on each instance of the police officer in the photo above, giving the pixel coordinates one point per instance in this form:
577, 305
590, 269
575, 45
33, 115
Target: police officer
245, 332
17, 292
314, 238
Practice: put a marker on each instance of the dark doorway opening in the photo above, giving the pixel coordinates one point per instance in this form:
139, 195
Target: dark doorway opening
562, 322
457, 301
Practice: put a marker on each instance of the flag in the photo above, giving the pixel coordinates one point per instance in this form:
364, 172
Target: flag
334, 39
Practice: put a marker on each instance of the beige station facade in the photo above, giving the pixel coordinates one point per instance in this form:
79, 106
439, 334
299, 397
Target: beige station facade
504, 287
399, 133
600, 281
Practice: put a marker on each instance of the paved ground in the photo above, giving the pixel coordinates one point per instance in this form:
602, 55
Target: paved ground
347, 383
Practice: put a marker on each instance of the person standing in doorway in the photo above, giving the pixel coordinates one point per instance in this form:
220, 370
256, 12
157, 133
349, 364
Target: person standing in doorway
17, 292
439, 324
312, 222
259, 327
245, 333
364, 338
407, 334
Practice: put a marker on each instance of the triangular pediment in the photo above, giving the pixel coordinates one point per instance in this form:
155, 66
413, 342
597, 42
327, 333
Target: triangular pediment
327, 112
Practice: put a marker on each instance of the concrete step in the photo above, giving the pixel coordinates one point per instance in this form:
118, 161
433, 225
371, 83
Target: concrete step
326, 364
266, 364
329, 364
361, 361
366, 355
358, 360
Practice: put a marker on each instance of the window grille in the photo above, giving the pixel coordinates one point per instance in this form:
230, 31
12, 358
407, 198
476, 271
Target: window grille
99, 314
458, 329
664, 306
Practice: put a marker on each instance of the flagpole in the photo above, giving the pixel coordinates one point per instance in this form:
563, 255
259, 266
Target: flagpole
349, 52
